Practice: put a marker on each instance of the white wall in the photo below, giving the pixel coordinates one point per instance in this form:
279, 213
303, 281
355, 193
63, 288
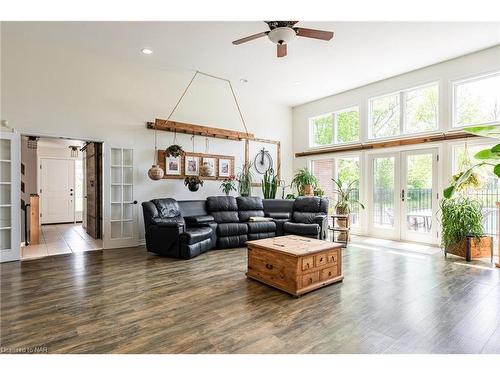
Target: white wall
48, 89
469, 65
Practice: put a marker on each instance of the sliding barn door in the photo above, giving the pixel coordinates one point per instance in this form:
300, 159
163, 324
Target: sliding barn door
93, 170
10, 196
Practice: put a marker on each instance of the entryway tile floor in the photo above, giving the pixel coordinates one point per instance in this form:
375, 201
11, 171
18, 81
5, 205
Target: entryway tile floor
58, 239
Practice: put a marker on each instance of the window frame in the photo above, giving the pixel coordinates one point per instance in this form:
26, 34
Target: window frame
453, 91
312, 132
402, 112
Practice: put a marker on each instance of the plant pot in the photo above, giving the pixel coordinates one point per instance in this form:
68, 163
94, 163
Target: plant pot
342, 223
308, 190
193, 187
470, 248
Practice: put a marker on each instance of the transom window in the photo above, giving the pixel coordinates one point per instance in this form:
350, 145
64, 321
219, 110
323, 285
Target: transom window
339, 127
477, 101
404, 112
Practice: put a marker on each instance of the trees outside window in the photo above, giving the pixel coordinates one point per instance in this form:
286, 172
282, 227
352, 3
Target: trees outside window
405, 112
477, 101
339, 127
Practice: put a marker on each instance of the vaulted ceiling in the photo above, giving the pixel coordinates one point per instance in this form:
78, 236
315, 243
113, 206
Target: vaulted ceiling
359, 53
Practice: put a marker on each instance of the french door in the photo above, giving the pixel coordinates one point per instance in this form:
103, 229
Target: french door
403, 198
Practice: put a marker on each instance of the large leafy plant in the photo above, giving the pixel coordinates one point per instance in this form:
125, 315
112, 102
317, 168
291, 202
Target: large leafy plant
269, 184
489, 157
302, 178
460, 217
345, 195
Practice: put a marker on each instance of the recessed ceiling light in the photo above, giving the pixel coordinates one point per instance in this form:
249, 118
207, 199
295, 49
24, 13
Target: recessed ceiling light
147, 51
243, 80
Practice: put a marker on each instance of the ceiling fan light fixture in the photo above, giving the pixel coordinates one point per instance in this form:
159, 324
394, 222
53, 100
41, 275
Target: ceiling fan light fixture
281, 35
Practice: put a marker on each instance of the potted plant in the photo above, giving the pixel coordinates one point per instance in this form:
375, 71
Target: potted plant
228, 185
304, 181
174, 151
245, 178
345, 203
489, 157
193, 183
462, 231
269, 184
318, 192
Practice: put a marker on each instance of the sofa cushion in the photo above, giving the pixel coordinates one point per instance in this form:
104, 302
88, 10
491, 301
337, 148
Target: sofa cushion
306, 204
195, 235
167, 207
249, 207
279, 215
226, 203
231, 229
200, 219
304, 217
301, 229
261, 226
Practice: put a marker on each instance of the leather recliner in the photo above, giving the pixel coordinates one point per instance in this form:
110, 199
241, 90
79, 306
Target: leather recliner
230, 232
249, 207
309, 218
168, 234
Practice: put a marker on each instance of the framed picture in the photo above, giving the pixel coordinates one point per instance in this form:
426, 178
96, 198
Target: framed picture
173, 165
210, 165
192, 166
224, 167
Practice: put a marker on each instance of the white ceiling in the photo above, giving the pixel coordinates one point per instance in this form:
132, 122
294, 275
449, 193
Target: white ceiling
59, 142
359, 53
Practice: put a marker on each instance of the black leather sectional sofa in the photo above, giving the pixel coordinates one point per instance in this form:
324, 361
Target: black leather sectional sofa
185, 229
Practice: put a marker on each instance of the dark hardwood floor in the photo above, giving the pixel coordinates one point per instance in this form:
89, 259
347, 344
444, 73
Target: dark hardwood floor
129, 301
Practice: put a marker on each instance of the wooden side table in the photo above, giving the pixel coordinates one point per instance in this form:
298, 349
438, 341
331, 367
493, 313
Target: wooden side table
342, 230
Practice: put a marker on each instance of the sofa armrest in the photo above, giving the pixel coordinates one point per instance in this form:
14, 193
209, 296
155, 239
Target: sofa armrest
322, 221
199, 219
279, 215
166, 223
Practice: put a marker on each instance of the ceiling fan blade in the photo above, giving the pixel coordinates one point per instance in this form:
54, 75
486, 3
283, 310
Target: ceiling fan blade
281, 50
251, 37
312, 33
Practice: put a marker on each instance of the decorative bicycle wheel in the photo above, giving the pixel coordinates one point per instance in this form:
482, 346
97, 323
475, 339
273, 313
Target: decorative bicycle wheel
263, 161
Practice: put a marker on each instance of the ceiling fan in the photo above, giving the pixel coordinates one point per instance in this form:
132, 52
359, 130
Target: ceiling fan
283, 32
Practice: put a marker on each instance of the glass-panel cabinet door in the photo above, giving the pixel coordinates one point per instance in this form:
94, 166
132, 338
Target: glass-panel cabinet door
121, 225
10, 196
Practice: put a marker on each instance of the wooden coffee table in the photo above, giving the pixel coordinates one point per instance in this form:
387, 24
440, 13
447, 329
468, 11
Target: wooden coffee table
295, 264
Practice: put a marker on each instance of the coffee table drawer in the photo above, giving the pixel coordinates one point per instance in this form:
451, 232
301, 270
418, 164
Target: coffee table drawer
307, 263
328, 273
320, 260
332, 256
310, 278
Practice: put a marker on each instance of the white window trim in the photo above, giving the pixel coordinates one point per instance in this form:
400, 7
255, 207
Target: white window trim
453, 91
312, 145
402, 112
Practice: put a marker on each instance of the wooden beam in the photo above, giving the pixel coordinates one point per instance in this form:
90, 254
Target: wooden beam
388, 144
205, 131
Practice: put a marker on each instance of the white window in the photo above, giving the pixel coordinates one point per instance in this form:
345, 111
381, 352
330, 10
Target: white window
404, 112
476, 101
339, 127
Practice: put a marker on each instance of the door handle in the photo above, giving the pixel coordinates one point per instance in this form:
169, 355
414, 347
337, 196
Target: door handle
135, 202
403, 195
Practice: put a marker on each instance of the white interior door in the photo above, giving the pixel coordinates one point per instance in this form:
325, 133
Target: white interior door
120, 206
419, 198
57, 190
10, 196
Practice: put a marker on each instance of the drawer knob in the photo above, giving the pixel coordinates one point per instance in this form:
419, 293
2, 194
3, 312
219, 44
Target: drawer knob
269, 266
310, 280
320, 259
